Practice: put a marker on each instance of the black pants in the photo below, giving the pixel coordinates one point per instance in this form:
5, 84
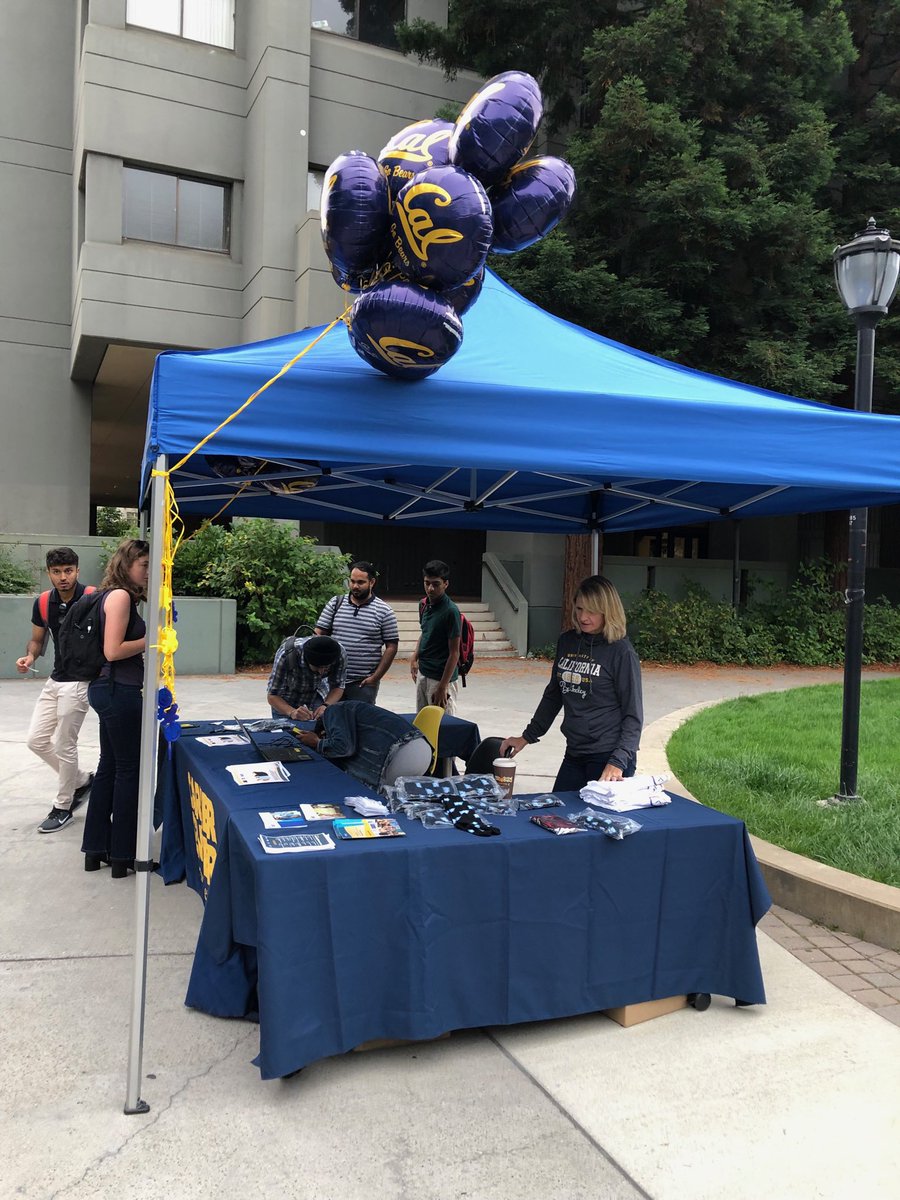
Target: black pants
110, 825
574, 772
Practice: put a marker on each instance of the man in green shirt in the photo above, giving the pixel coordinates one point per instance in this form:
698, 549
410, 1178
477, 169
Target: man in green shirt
434, 661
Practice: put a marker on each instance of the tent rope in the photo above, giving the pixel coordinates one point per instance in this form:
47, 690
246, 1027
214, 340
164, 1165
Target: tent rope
172, 538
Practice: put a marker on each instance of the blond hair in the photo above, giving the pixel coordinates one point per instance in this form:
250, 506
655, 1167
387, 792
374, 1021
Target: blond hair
123, 558
598, 595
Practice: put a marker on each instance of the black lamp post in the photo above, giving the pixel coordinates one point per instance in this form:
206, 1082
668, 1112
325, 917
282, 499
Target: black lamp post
866, 272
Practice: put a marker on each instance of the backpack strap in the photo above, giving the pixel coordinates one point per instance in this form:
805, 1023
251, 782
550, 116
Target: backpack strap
337, 605
44, 607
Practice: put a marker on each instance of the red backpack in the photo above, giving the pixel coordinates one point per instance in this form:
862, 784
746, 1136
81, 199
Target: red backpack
44, 604
466, 642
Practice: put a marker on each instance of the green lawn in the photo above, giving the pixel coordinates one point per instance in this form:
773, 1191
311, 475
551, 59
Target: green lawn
768, 759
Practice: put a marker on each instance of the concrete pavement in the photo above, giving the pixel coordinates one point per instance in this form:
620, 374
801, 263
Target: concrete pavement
798, 1099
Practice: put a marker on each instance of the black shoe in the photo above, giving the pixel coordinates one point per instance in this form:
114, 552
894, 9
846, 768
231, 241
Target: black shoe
119, 867
55, 819
81, 792
93, 862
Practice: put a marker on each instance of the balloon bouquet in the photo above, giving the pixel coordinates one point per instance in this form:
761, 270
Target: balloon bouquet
410, 232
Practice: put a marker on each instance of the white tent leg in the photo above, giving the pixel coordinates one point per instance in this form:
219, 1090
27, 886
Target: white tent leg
147, 789
595, 551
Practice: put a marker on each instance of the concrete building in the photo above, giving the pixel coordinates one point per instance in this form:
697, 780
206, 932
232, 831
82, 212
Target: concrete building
159, 187
160, 178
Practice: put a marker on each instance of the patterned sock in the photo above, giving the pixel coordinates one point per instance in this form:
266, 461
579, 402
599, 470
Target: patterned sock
464, 816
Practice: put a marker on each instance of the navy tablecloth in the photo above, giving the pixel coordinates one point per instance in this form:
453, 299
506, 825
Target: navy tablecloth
440, 930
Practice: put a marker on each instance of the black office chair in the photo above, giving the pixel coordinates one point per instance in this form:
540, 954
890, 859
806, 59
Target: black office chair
481, 760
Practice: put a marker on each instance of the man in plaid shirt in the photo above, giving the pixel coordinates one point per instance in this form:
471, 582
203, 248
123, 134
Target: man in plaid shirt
307, 674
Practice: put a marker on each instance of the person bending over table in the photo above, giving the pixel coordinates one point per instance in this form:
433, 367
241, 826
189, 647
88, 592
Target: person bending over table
596, 681
308, 675
372, 744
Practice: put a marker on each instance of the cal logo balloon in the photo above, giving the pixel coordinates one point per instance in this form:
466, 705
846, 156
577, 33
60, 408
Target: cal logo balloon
463, 297
406, 331
530, 202
442, 228
416, 148
497, 126
355, 215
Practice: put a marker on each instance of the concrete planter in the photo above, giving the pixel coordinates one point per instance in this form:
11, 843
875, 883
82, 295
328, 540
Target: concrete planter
205, 627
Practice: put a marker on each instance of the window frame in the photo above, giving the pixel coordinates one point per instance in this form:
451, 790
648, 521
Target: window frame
181, 34
226, 186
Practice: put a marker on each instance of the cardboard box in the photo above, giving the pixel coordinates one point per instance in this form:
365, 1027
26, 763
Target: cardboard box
632, 1014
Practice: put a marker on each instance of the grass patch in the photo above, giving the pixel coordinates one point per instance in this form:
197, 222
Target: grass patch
768, 759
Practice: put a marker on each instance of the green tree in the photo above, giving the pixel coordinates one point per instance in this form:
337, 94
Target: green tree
722, 149
280, 581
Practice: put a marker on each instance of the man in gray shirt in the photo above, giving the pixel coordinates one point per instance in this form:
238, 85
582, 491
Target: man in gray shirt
367, 630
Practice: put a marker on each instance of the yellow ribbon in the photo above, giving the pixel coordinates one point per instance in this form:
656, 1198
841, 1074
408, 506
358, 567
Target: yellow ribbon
173, 525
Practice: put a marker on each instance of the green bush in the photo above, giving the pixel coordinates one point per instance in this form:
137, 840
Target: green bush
804, 626
116, 523
280, 581
16, 578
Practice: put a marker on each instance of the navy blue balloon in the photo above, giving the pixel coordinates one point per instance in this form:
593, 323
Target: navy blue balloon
442, 228
497, 126
408, 332
355, 214
463, 297
416, 148
530, 202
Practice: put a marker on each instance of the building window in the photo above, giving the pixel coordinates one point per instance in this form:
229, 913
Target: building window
178, 211
209, 21
315, 181
370, 21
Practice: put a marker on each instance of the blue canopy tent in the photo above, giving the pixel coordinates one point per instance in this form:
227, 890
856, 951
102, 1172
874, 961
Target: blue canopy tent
535, 425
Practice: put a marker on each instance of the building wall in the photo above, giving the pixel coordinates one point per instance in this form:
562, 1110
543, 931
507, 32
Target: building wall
45, 417
82, 93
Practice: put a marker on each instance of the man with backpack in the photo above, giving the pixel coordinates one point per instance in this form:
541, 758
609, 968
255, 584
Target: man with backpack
61, 707
434, 665
367, 629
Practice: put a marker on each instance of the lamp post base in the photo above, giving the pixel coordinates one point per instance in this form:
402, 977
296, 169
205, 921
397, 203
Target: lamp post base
838, 800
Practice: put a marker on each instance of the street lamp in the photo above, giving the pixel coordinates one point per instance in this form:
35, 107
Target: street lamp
866, 272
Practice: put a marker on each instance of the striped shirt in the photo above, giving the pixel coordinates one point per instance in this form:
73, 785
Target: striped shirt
362, 629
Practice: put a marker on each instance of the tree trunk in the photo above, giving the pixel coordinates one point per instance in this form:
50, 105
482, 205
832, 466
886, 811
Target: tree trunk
577, 566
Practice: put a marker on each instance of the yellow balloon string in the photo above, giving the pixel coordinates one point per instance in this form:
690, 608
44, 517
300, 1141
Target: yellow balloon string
173, 536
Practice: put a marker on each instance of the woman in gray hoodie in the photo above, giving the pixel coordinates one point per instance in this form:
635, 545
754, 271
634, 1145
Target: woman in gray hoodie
596, 681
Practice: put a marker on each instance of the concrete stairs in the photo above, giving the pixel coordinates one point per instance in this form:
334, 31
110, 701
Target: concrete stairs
490, 640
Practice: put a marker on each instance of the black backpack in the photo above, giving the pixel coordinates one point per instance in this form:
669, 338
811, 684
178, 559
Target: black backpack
80, 641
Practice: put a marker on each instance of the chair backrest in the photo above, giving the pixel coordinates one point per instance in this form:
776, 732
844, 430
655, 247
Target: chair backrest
428, 721
481, 760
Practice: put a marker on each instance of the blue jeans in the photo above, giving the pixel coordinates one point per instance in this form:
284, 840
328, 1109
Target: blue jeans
574, 772
110, 824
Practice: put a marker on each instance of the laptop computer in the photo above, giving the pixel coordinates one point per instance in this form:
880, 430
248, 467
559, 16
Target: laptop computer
284, 748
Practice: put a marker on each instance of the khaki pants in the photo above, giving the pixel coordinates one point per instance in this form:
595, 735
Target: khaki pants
53, 734
425, 689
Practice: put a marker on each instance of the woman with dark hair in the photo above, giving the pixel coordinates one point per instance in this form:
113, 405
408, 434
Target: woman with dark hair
596, 681
110, 826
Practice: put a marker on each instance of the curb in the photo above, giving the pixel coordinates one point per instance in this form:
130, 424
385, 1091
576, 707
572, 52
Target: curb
826, 895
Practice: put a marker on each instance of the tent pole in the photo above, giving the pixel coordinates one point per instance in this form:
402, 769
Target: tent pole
147, 788
595, 551
736, 566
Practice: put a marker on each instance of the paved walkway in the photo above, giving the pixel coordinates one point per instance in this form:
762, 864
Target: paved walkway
797, 1098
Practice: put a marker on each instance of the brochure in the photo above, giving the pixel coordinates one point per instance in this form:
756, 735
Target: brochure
321, 812
294, 843
287, 818
224, 739
258, 772
367, 827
